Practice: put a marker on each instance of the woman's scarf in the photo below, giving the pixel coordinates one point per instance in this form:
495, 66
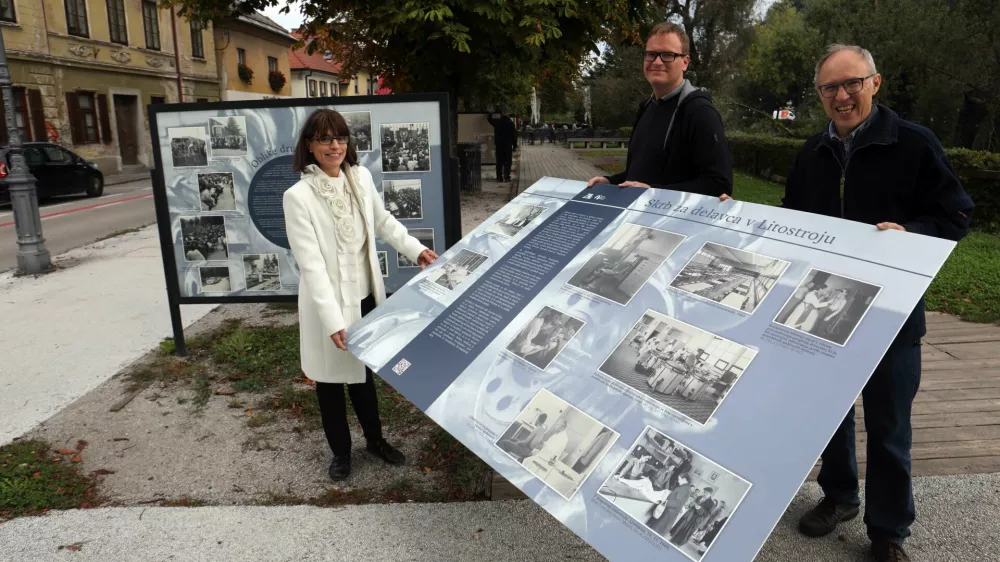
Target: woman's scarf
337, 200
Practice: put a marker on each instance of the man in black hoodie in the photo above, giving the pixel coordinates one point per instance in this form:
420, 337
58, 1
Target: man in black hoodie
678, 141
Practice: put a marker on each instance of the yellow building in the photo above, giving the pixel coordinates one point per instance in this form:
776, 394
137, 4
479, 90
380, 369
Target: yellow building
85, 70
252, 49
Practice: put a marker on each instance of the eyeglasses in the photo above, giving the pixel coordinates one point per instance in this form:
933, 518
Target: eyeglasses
851, 86
665, 56
327, 139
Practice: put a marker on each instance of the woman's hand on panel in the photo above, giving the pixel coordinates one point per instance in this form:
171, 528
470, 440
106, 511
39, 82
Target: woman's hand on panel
340, 339
426, 258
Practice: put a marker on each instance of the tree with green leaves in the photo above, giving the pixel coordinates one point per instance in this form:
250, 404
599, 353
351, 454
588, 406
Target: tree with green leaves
781, 61
482, 52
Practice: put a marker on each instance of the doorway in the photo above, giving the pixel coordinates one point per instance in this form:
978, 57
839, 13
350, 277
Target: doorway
126, 116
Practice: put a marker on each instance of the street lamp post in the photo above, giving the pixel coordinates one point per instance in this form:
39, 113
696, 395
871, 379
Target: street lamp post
32, 257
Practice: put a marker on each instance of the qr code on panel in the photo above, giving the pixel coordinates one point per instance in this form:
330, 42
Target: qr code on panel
401, 367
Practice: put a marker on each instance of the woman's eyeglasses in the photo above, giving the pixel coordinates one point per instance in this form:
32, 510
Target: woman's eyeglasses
327, 139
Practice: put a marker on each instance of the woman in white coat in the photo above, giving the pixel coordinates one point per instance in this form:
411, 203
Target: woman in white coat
332, 216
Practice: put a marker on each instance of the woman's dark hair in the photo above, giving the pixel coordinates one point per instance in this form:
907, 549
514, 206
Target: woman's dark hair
322, 122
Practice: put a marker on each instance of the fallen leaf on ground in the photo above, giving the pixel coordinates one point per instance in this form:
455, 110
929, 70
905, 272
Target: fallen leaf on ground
224, 393
76, 458
57, 459
36, 475
65, 451
81, 445
102, 472
249, 412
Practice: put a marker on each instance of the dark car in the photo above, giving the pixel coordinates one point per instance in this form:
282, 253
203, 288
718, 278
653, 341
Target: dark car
57, 171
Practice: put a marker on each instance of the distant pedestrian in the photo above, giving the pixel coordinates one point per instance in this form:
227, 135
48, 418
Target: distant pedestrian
504, 144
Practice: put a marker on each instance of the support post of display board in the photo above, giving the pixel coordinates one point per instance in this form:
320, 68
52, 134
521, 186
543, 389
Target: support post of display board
169, 267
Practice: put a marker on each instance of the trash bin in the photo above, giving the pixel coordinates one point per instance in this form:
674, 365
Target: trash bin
470, 166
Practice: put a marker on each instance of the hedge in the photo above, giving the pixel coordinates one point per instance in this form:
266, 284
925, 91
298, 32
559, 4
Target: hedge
771, 157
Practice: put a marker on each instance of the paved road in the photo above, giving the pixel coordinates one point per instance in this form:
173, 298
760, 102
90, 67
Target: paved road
73, 221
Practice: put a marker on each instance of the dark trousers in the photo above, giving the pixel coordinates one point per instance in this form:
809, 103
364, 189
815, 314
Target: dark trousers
505, 157
888, 398
333, 406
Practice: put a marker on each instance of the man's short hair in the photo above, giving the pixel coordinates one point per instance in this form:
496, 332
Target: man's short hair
835, 48
665, 28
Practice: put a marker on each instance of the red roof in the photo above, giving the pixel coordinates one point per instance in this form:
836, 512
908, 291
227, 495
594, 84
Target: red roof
299, 59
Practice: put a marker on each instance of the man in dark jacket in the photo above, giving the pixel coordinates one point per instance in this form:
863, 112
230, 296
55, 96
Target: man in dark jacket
504, 143
870, 166
678, 141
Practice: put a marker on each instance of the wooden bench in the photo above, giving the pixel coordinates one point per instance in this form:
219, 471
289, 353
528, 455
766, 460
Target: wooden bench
603, 142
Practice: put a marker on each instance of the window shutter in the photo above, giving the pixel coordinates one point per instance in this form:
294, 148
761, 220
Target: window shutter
4, 138
73, 111
37, 115
102, 109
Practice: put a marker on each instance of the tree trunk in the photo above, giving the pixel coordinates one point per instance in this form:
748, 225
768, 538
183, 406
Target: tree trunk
970, 116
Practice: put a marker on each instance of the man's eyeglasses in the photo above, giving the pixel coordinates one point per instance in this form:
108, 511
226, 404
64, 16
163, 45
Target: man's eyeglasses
327, 139
852, 86
665, 56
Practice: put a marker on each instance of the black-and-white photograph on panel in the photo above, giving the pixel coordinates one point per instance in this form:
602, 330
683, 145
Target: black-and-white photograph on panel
545, 336
623, 265
406, 147
215, 279
518, 217
425, 236
204, 238
188, 147
828, 306
456, 270
683, 367
403, 199
675, 492
217, 191
262, 272
383, 263
557, 442
729, 276
360, 125
229, 136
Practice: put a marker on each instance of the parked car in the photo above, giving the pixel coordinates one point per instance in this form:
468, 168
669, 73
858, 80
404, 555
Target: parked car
57, 171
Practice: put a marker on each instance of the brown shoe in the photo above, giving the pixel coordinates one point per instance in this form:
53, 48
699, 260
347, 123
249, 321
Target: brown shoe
886, 551
824, 518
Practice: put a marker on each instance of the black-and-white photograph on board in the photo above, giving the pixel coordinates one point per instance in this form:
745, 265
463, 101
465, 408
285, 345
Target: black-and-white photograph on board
406, 147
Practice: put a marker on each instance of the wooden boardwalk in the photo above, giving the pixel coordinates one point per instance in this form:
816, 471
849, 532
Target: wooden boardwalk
956, 414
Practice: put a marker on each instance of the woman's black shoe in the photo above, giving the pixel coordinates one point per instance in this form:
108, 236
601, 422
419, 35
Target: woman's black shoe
382, 449
340, 468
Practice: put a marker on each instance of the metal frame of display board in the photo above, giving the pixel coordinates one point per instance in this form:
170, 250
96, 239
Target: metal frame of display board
451, 197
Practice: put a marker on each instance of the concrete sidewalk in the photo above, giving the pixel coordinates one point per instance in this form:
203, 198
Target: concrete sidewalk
957, 521
66, 332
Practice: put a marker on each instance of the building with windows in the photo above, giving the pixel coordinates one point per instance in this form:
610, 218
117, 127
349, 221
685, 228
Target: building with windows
252, 58
85, 70
318, 75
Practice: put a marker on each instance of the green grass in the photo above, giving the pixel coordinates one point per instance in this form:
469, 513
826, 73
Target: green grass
257, 359
968, 285
465, 471
756, 190
31, 480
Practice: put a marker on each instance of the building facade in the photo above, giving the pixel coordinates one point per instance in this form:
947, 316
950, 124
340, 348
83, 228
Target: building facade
84, 72
252, 52
314, 75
